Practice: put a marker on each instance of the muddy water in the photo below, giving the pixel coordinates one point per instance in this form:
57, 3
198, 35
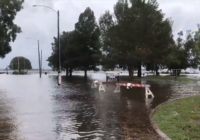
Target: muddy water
37, 109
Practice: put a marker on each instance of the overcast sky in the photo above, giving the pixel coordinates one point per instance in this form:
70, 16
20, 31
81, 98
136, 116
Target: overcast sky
40, 23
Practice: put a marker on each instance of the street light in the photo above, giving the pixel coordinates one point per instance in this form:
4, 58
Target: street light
58, 29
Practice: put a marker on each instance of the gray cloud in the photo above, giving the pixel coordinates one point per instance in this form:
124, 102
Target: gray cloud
184, 13
40, 24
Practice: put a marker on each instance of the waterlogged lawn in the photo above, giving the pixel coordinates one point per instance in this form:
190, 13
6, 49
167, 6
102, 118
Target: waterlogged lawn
167, 78
181, 79
180, 120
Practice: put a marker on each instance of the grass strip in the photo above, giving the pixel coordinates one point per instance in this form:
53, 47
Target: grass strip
180, 119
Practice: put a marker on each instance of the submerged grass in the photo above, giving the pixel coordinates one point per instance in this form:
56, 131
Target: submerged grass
182, 79
180, 119
167, 78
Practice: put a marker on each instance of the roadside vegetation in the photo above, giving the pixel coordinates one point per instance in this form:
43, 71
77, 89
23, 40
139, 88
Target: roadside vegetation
168, 78
180, 119
137, 34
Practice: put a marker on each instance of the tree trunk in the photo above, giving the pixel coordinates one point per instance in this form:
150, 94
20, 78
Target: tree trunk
67, 72
139, 70
176, 72
156, 69
179, 72
70, 72
85, 73
130, 71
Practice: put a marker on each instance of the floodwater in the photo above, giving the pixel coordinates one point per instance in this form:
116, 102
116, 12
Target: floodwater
37, 109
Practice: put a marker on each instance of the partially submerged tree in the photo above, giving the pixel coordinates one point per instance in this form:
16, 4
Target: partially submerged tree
140, 35
70, 52
8, 29
80, 49
196, 49
20, 64
88, 43
106, 23
184, 53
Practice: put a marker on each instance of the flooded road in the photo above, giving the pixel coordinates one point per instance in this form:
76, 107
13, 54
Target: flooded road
37, 109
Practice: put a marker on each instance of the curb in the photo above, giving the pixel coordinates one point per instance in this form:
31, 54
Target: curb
155, 125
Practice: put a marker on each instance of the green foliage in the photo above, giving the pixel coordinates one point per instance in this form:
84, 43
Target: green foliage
140, 34
8, 30
69, 51
176, 59
106, 23
53, 59
88, 34
80, 49
196, 50
20, 63
184, 53
137, 34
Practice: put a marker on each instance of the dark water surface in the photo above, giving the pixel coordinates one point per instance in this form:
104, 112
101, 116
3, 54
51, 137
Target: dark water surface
37, 109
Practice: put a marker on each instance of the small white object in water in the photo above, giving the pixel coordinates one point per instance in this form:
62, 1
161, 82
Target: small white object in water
95, 84
128, 85
148, 93
101, 88
117, 89
59, 79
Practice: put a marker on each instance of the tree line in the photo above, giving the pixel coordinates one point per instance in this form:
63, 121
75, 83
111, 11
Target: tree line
136, 35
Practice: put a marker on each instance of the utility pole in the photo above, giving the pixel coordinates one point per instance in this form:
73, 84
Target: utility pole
59, 55
18, 64
39, 58
41, 62
58, 29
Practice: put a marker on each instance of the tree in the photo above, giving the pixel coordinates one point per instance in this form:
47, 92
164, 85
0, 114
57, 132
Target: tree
141, 35
118, 46
196, 50
8, 30
80, 48
69, 54
177, 57
20, 64
106, 23
87, 41
185, 53
53, 59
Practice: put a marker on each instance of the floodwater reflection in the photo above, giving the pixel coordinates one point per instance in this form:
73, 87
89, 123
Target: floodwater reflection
37, 109
88, 114
8, 126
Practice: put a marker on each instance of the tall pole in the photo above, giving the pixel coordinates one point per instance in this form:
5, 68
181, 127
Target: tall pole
59, 59
59, 55
39, 59
24, 66
18, 64
58, 28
